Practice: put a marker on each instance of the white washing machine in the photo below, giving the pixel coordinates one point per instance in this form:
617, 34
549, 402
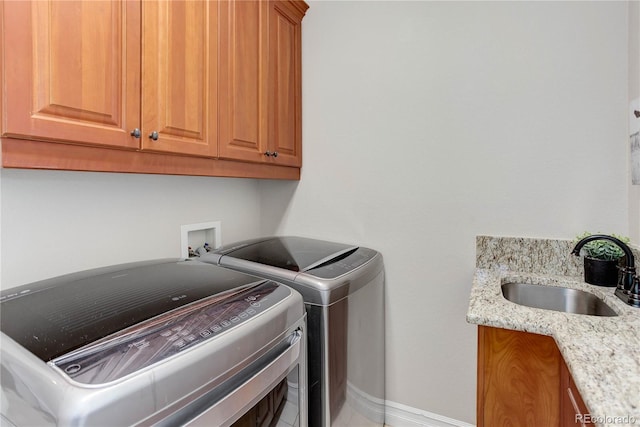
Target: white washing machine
343, 291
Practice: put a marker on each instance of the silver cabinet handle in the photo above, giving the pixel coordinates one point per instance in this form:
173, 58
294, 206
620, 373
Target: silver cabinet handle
154, 135
274, 154
267, 153
271, 154
136, 133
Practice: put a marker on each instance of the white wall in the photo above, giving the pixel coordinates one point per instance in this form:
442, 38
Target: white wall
425, 124
59, 222
428, 123
634, 96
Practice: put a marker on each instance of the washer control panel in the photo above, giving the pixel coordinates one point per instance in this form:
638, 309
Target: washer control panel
164, 336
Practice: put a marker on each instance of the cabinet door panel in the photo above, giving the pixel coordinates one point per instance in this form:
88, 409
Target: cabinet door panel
573, 409
285, 109
243, 80
179, 69
73, 69
519, 377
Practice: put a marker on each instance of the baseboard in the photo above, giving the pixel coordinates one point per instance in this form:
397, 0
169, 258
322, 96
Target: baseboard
396, 414
399, 415
371, 407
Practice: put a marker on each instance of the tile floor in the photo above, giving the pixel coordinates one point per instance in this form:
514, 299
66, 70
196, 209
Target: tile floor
346, 418
289, 416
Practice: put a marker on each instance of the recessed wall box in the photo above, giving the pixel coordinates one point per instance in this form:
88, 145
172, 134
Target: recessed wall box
196, 235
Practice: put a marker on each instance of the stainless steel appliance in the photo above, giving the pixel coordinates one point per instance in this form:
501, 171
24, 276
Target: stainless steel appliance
343, 291
160, 343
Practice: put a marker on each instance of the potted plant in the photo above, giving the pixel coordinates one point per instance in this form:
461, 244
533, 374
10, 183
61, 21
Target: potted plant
601, 260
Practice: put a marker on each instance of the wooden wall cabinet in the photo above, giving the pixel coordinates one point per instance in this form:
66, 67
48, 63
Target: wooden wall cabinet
244, 49
70, 76
260, 76
176, 87
523, 381
179, 77
285, 82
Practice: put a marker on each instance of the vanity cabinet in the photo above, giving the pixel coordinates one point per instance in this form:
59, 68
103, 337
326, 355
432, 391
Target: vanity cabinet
523, 381
193, 88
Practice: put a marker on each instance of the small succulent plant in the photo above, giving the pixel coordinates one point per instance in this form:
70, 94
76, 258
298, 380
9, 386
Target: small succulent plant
603, 249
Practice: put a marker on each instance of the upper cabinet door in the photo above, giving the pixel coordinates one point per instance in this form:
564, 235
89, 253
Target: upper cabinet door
285, 81
179, 76
74, 68
243, 79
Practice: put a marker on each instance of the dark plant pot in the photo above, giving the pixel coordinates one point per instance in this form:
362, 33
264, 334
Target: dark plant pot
601, 273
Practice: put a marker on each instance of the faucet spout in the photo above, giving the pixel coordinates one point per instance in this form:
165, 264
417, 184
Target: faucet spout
627, 288
627, 251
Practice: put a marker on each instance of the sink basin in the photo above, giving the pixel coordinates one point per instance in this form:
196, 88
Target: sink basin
556, 298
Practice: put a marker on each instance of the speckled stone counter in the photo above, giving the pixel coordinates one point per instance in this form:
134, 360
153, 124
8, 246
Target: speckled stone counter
602, 353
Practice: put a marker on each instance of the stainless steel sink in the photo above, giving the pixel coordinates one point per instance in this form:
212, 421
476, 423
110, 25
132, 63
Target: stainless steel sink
556, 298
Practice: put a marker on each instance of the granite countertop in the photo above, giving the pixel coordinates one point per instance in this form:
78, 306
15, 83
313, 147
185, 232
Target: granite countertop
602, 353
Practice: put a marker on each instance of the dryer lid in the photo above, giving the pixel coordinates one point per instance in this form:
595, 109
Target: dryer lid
297, 254
53, 317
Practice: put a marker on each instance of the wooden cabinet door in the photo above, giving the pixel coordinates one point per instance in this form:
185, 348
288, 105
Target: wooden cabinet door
518, 379
574, 411
72, 71
179, 76
243, 80
285, 81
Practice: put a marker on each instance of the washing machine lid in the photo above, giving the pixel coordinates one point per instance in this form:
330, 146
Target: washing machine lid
298, 254
322, 272
52, 318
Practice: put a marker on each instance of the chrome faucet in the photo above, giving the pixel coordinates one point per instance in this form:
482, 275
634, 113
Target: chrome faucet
628, 288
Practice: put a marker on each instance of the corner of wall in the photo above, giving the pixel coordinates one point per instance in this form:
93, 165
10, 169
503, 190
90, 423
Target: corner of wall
634, 124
